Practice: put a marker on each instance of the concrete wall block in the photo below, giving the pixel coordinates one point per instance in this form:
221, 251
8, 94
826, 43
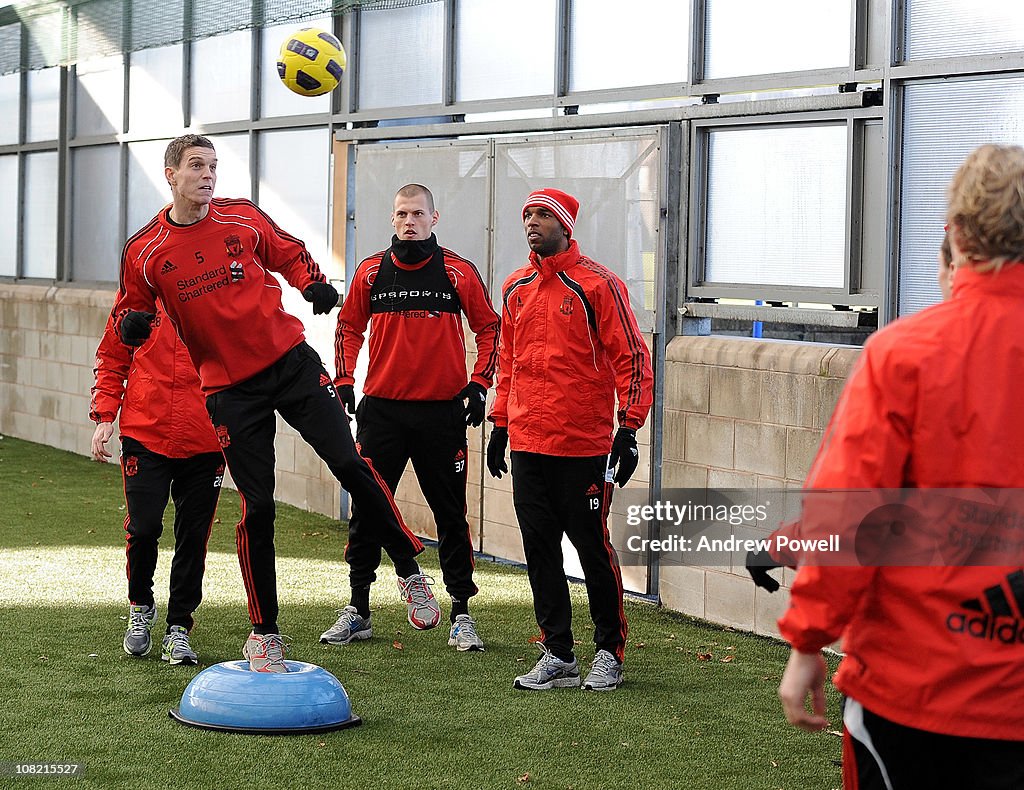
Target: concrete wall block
498, 507
9, 364
801, 447
725, 478
729, 599
290, 488
761, 448
680, 475
673, 446
789, 399
681, 588
709, 440
829, 390
320, 498
284, 452
502, 540
33, 343
736, 392
307, 462
841, 362
688, 387
12, 342
768, 608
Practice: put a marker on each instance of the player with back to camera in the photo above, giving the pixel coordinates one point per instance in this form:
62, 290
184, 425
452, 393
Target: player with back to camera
932, 655
210, 262
416, 405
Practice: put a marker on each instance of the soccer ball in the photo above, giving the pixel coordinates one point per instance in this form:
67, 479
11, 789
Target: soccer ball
311, 62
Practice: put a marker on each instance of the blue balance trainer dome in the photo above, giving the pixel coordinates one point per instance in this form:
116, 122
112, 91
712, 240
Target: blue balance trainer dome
305, 699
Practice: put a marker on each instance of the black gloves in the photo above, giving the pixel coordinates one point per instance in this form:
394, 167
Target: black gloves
476, 399
324, 297
347, 395
496, 452
136, 327
758, 566
625, 454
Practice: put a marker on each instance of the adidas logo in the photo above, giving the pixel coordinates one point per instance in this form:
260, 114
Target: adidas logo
168, 267
990, 623
324, 381
593, 490
459, 455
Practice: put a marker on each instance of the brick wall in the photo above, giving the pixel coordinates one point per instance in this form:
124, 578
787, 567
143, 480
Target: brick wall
742, 413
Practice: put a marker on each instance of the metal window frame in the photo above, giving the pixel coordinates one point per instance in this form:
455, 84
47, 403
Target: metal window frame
698, 288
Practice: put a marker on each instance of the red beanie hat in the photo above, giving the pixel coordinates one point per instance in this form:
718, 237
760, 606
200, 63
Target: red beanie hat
562, 205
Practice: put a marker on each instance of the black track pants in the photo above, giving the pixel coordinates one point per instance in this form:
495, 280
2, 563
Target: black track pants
879, 754
553, 495
432, 434
194, 486
298, 387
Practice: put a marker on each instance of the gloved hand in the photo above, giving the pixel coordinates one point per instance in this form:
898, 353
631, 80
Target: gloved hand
476, 401
496, 452
136, 327
758, 565
624, 454
324, 297
347, 395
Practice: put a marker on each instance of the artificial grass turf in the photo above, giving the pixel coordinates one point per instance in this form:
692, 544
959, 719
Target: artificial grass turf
698, 709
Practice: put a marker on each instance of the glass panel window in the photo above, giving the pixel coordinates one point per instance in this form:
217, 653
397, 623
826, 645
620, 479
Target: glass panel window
776, 206
40, 231
275, 99
803, 35
491, 66
9, 215
957, 28
154, 90
99, 96
219, 93
616, 183
963, 114
233, 178
400, 56
148, 191
96, 212
43, 106
10, 109
612, 49
293, 180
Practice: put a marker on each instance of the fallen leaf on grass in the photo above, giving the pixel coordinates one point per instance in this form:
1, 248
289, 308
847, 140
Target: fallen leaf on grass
837, 733
398, 645
774, 764
523, 779
703, 656
728, 659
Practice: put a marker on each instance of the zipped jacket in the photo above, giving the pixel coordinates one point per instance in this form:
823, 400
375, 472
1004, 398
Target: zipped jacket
933, 402
571, 358
156, 390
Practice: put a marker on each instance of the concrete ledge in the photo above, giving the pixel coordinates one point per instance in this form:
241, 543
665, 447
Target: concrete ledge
783, 356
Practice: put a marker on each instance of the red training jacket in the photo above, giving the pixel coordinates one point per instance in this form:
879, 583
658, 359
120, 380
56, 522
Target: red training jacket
214, 279
417, 354
569, 347
156, 390
932, 403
